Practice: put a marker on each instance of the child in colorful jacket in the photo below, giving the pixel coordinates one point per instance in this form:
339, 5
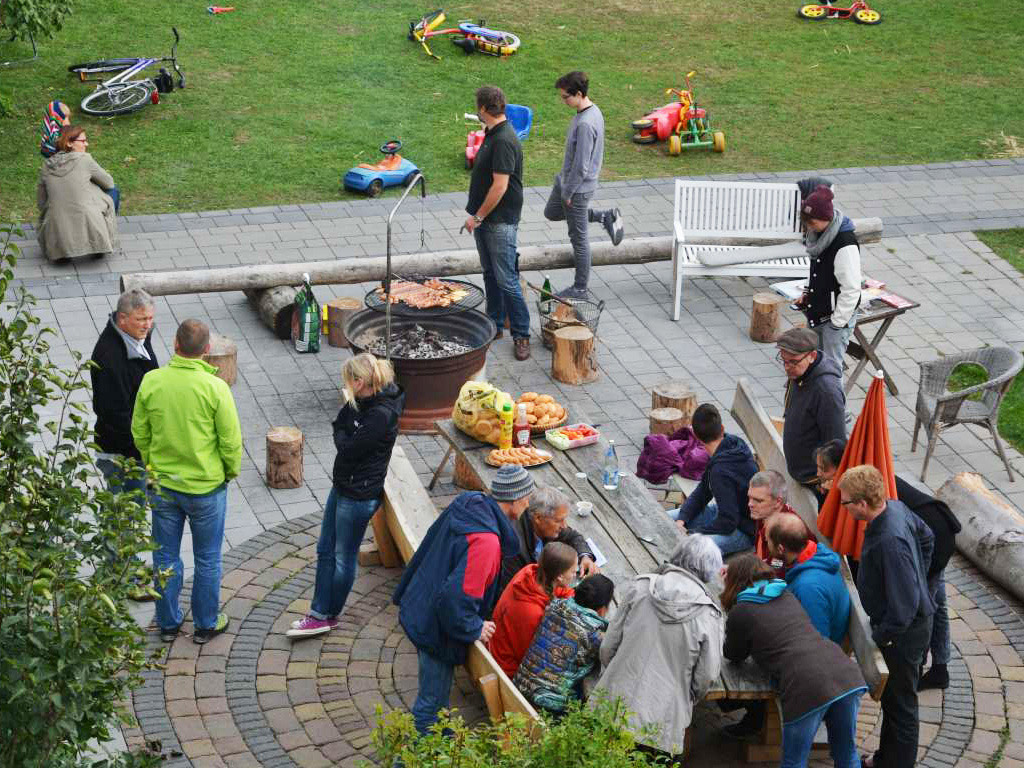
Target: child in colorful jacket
56, 116
567, 645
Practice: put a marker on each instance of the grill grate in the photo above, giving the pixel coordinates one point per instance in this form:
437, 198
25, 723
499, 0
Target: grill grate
473, 298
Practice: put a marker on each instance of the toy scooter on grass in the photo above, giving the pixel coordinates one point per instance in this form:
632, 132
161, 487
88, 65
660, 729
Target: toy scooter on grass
859, 11
684, 124
392, 171
520, 117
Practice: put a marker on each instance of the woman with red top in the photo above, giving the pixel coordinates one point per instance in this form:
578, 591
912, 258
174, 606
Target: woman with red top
521, 606
766, 497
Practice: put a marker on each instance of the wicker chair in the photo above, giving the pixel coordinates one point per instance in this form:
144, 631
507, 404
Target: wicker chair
938, 409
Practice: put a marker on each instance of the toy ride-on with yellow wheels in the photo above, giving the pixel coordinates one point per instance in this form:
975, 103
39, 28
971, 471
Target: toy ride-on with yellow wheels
859, 11
682, 123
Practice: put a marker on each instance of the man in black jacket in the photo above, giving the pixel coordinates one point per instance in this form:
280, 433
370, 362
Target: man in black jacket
123, 355
719, 505
544, 521
893, 584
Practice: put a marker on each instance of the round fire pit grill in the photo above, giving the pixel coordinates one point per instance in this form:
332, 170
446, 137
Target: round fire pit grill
431, 384
474, 296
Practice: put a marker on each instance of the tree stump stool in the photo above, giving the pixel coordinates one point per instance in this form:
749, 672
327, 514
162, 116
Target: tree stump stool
675, 394
224, 355
666, 421
338, 313
764, 317
465, 477
284, 457
574, 360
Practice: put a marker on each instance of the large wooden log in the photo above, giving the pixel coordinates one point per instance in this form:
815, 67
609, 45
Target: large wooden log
574, 360
274, 307
223, 355
992, 531
284, 457
675, 394
640, 250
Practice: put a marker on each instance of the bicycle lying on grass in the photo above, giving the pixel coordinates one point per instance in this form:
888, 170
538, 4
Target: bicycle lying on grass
122, 94
468, 36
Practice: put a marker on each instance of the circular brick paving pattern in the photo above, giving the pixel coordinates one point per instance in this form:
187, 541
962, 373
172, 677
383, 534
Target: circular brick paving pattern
251, 697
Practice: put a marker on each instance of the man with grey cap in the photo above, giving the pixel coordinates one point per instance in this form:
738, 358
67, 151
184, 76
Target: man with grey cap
815, 402
451, 583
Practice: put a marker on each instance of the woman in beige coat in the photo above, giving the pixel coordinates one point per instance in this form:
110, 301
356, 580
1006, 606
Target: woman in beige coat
76, 215
663, 648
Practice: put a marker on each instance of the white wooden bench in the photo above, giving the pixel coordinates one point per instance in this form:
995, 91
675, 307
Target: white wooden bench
751, 211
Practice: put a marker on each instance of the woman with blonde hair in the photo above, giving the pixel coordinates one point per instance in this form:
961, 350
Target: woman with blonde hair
364, 434
77, 214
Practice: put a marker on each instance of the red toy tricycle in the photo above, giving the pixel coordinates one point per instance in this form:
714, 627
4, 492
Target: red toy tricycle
682, 122
859, 11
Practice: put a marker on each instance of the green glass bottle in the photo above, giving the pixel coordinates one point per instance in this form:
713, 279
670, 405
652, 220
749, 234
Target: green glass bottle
545, 292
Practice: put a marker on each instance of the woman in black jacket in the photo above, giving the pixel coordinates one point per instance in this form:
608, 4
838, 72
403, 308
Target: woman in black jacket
815, 680
364, 433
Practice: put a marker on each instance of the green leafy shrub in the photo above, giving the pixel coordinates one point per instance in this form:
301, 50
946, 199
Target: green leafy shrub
71, 650
586, 737
36, 18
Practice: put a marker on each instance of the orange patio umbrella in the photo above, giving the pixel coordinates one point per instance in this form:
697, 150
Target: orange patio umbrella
868, 444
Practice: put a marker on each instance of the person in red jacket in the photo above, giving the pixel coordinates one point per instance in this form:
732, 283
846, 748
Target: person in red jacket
521, 606
767, 497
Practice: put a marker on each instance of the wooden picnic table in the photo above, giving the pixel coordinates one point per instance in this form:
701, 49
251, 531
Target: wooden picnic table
866, 351
633, 532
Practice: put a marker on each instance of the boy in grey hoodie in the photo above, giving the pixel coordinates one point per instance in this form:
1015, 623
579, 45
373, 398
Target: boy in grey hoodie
576, 183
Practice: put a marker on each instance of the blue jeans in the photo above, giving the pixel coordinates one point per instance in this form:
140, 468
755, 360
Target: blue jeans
496, 244
833, 341
939, 644
115, 195
728, 543
205, 514
841, 721
337, 552
435, 679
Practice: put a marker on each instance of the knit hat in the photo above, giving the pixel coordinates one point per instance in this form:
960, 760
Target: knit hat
511, 483
798, 341
818, 204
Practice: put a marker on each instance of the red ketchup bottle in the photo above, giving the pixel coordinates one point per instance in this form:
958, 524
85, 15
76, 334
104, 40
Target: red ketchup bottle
521, 428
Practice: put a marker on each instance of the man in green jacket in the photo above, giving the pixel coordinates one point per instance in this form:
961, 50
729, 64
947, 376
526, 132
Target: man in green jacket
186, 427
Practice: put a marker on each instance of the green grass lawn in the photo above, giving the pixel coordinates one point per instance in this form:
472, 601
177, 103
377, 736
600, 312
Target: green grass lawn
284, 96
1009, 244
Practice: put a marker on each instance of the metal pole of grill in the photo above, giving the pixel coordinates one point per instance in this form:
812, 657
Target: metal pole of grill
387, 268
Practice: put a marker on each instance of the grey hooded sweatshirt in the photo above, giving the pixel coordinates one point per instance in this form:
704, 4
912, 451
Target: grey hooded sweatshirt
662, 651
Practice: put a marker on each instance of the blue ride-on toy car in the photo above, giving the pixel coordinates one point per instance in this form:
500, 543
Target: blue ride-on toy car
389, 172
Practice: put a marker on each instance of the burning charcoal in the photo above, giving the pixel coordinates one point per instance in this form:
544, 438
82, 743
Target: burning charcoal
416, 343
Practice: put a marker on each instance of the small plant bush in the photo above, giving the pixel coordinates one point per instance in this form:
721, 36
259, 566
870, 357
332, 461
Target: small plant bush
586, 737
70, 649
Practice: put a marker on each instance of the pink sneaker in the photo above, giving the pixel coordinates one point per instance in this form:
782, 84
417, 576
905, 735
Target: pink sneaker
309, 626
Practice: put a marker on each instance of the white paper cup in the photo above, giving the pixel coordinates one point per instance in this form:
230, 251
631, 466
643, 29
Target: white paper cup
584, 508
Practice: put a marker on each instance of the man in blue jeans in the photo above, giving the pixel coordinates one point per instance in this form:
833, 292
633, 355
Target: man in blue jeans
718, 505
494, 206
122, 356
451, 583
186, 427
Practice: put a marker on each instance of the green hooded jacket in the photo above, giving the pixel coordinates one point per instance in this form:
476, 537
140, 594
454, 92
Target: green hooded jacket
186, 427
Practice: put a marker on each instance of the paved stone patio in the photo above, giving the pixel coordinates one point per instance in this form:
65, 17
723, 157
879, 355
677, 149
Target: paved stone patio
217, 702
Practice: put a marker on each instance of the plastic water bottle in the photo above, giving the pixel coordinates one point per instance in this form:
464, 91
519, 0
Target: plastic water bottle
610, 475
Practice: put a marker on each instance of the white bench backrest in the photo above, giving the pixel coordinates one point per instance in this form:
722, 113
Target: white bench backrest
736, 206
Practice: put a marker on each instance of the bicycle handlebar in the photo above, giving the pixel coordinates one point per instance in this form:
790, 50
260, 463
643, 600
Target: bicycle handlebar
174, 58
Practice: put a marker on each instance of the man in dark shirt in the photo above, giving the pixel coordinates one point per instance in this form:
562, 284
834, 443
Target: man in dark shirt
893, 585
494, 205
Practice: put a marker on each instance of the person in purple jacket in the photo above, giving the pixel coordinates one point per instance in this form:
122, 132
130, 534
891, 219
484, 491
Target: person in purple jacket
451, 584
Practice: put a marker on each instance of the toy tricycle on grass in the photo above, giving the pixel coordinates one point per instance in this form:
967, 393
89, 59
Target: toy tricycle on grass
682, 123
519, 117
859, 11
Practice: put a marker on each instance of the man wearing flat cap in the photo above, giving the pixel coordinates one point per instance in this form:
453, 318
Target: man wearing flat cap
815, 402
451, 583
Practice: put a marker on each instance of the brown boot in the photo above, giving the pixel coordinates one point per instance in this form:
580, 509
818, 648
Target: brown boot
522, 348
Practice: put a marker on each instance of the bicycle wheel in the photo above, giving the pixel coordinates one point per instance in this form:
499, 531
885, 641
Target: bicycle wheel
103, 65
118, 100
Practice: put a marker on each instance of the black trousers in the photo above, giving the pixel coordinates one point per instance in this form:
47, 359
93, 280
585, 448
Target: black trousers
898, 743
